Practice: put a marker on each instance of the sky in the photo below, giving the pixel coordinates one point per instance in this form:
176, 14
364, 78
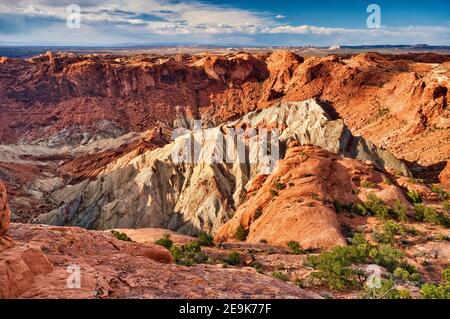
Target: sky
226, 22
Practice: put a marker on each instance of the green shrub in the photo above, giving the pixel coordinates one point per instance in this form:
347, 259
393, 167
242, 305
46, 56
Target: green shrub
419, 212
439, 291
407, 275
258, 213
446, 276
205, 239
234, 258
295, 248
334, 268
431, 291
188, 254
192, 246
389, 230
445, 221
387, 256
241, 233
300, 283
120, 236
416, 180
399, 211
273, 193
387, 290
165, 241
398, 172
401, 273
359, 209
442, 194
368, 184
314, 196
414, 197
382, 111
431, 216
376, 206
280, 275
257, 265
338, 207
446, 206
280, 186
442, 237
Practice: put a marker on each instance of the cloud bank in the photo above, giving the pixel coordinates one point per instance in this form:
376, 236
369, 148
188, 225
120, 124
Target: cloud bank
171, 21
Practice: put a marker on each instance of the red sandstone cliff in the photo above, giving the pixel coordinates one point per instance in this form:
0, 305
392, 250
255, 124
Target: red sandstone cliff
388, 99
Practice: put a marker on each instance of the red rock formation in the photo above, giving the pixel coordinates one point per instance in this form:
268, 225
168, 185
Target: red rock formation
110, 268
4, 210
444, 177
92, 164
295, 203
19, 264
109, 95
23, 263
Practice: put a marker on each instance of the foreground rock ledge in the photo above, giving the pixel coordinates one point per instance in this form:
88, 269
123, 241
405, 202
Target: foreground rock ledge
116, 269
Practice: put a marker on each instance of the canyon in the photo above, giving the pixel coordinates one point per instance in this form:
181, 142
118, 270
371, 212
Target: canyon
87, 145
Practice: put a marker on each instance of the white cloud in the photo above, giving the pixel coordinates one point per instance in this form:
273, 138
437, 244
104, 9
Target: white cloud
113, 21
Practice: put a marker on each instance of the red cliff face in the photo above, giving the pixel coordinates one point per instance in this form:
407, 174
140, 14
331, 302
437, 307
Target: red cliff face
50, 93
4, 210
386, 98
398, 102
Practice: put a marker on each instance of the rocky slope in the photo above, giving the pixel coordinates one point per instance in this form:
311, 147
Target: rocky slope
296, 202
37, 261
4, 210
399, 102
85, 140
153, 190
32, 172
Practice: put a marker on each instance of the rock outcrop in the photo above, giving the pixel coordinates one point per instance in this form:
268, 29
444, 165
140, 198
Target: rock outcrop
444, 176
86, 143
312, 122
110, 268
297, 201
32, 172
63, 98
4, 210
20, 263
104, 267
200, 194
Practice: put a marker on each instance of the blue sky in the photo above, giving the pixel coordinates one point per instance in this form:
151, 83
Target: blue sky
226, 22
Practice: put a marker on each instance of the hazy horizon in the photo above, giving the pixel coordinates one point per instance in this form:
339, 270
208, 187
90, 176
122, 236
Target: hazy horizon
226, 23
